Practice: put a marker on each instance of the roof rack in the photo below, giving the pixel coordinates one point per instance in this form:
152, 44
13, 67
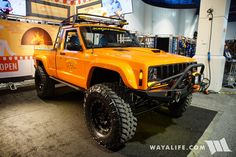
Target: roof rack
89, 18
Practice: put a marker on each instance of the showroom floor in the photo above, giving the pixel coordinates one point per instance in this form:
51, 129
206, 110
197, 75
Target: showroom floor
30, 126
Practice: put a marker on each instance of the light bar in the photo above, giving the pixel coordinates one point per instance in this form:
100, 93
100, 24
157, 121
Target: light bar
80, 18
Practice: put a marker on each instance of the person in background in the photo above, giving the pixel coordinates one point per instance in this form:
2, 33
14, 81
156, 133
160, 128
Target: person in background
112, 7
106, 4
228, 58
116, 7
227, 53
5, 7
195, 35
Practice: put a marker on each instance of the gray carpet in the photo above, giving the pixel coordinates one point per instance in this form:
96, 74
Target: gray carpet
30, 126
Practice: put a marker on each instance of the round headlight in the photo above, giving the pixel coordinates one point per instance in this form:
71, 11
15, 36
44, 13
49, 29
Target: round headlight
152, 75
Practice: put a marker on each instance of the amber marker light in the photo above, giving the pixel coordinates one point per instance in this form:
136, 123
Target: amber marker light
140, 78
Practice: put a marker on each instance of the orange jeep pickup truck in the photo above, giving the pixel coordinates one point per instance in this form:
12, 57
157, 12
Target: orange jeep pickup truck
120, 79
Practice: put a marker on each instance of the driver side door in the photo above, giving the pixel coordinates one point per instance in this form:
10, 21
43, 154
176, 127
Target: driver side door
70, 66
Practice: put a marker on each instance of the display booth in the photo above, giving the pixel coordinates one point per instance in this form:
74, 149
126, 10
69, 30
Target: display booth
18, 41
32, 24
29, 25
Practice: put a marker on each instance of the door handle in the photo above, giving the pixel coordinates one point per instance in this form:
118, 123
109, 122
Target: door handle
62, 53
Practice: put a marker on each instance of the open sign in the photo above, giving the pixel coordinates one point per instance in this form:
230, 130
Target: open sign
8, 65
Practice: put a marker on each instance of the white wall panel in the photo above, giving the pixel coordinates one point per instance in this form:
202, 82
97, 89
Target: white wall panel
165, 21
231, 31
188, 22
136, 19
147, 19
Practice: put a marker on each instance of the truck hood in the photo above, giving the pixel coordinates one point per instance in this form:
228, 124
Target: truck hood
147, 56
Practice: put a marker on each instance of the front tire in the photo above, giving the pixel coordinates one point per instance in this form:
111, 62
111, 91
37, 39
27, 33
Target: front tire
45, 86
109, 119
177, 109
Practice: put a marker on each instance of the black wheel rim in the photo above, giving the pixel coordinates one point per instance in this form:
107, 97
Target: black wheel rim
100, 118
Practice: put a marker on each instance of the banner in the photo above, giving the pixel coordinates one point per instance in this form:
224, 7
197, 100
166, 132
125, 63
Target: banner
17, 43
91, 9
105, 7
13, 7
117, 7
48, 10
18, 7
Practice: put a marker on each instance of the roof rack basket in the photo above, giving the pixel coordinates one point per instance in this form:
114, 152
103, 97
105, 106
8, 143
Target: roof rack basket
89, 18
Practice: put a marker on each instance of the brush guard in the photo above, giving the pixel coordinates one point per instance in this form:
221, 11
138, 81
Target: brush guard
173, 93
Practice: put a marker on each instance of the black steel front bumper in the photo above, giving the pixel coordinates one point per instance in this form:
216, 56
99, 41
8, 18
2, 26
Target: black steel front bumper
173, 92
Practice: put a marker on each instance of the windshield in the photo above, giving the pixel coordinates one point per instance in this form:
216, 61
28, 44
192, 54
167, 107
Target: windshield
105, 37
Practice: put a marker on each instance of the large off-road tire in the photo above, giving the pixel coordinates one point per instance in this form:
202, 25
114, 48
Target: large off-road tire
45, 86
177, 109
109, 119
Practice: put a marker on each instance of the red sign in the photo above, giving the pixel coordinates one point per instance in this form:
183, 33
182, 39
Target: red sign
8, 65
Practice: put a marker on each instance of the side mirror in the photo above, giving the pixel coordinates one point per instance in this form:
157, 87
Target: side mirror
73, 47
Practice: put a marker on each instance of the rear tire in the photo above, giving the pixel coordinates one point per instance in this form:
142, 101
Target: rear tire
109, 119
45, 86
177, 109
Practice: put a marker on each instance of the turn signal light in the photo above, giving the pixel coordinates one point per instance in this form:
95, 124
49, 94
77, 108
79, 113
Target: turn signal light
140, 78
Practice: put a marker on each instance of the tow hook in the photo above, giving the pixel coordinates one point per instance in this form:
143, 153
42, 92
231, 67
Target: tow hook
177, 96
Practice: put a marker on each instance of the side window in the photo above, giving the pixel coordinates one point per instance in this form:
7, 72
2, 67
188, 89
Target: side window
72, 42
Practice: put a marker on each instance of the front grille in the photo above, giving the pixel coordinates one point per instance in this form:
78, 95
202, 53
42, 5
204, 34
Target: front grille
166, 71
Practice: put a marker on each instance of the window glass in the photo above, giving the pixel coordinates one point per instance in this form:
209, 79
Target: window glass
104, 37
72, 42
